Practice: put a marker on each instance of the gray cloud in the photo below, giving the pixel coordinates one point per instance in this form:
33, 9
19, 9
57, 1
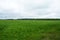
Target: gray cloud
29, 9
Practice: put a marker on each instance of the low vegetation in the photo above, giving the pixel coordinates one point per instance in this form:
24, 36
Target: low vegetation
29, 29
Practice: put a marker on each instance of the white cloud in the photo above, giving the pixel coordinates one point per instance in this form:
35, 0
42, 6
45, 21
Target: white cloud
29, 8
54, 9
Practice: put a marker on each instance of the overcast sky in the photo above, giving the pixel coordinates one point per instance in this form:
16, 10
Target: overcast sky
29, 9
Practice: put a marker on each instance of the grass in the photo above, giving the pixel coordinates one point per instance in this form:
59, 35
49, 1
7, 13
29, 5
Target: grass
29, 29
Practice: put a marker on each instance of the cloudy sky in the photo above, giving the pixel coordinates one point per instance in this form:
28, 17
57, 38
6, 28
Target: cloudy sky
29, 9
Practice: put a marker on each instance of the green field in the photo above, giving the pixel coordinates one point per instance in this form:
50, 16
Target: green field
29, 29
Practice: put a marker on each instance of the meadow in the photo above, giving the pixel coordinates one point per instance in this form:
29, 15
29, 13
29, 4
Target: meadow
29, 29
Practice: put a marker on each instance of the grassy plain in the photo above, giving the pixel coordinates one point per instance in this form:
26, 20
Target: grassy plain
29, 29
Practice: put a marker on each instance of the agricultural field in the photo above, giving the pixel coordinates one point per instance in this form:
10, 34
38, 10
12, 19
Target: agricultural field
29, 29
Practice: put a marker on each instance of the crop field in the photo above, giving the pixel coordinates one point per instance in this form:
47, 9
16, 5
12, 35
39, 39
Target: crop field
29, 29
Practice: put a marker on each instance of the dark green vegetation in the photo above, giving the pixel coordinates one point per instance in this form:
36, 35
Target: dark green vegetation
29, 29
